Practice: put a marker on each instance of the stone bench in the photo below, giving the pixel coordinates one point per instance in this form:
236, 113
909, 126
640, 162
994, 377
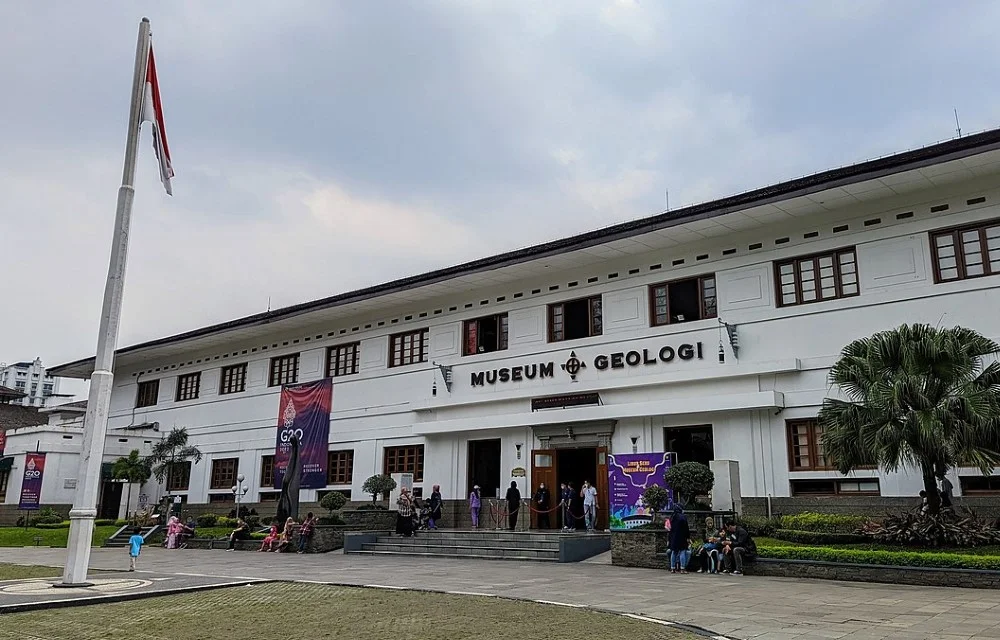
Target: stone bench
324, 539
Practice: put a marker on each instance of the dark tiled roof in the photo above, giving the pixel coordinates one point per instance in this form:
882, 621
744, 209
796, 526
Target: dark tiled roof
7, 392
908, 160
79, 404
13, 416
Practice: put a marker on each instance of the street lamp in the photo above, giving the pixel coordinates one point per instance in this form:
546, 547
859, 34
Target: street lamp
239, 491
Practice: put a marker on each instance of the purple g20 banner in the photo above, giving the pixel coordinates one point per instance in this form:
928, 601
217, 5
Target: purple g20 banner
31, 482
304, 411
628, 476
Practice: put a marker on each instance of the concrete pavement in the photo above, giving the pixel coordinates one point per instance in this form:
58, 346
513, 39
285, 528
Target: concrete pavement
747, 607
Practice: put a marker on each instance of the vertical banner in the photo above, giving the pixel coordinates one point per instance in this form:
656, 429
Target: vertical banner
304, 411
31, 482
628, 476
3, 441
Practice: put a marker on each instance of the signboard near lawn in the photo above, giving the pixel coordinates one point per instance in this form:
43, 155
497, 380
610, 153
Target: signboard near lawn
31, 482
628, 476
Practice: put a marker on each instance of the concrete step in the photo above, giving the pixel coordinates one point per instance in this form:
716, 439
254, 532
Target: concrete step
460, 556
475, 543
508, 536
451, 550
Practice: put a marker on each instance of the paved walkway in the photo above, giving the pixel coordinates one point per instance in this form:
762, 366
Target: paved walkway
748, 607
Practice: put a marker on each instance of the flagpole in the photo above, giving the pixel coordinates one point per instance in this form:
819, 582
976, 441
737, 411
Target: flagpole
95, 425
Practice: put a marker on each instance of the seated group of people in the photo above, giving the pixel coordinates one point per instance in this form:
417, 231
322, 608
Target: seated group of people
275, 540
720, 551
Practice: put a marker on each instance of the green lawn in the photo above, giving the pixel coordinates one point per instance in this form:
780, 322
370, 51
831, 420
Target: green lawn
282, 610
22, 572
21, 537
992, 550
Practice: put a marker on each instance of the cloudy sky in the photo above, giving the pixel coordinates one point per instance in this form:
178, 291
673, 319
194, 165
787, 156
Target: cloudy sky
323, 146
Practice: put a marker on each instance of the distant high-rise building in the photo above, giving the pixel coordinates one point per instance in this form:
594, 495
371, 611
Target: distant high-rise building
31, 379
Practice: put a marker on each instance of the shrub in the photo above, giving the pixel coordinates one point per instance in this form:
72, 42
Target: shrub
372, 507
52, 525
105, 522
689, 480
823, 522
47, 515
656, 498
760, 526
121, 522
937, 530
226, 522
333, 501
332, 519
253, 521
885, 558
378, 485
207, 520
817, 537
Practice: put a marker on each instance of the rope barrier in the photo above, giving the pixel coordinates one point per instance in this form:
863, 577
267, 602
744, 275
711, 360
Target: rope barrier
498, 513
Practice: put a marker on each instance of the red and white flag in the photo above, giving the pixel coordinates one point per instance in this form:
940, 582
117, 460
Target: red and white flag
152, 111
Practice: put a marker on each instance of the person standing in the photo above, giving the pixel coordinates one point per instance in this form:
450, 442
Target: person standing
513, 504
679, 541
542, 499
306, 531
946, 489
475, 503
435, 507
404, 513
565, 501
589, 495
135, 542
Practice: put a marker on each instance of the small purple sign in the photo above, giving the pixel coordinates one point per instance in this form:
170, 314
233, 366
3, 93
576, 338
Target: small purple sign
628, 476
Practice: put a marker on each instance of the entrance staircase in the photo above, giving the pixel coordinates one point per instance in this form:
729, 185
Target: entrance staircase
482, 545
120, 538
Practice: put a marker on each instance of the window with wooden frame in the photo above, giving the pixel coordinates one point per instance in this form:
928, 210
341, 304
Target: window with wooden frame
980, 485
847, 487
817, 278
805, 446
269, 496
408, 348
966, 252
224, 473
340, 467
148, 393
266, 471
188, 386
179, 476
574, 319
217, 498
485, 335
408, 459
233, 379
342, 360
682, 301
284, 370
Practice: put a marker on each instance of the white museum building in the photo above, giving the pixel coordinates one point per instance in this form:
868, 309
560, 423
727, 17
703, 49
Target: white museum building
708, 331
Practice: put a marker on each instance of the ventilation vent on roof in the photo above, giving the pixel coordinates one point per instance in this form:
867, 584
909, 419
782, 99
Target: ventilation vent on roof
368, 326
904, 216
423, 314
343, 331
449, 309
518, 295
677, 262
632, 272
781, 241
811, 234
703, 256
381, 323
396, 320
612, 275
573, 284
535, 291
295, 341
468, 305
408, 318
979, 200
483, 302
939, 208
728, 252
843, 227
592, 280
873, 222
307, 339
754, 246
654, 267
437, 312
501, 298
554, 287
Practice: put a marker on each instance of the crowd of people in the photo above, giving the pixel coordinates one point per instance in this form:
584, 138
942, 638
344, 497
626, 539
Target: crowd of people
722, 550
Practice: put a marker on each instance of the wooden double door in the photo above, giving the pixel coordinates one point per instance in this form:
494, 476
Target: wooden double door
572, 466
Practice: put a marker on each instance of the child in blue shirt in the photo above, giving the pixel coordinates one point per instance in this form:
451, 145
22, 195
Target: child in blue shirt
134, 545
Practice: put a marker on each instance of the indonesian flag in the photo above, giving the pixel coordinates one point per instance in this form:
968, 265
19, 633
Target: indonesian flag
152, 112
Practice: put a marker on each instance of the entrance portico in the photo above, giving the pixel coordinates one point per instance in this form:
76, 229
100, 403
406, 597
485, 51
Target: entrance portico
574, 453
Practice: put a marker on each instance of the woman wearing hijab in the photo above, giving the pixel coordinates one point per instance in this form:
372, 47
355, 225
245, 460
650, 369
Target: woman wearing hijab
435, 507
679, 542
174, 529
475, 503
513, 504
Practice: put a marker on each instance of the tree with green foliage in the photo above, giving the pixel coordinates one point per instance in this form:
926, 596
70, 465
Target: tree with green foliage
689, 480
916, 396
170, 452
378, 485
333, 501
132, 469
655, 498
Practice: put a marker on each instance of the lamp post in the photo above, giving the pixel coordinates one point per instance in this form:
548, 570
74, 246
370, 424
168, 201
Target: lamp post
239, 491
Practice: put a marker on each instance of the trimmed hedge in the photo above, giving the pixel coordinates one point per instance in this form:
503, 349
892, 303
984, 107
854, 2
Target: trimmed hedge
823, 522
52, 525
818, 537
888, 558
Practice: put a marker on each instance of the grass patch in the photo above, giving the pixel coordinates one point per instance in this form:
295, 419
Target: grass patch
322, 611
895, 557
991, 550
21, 537
23, 572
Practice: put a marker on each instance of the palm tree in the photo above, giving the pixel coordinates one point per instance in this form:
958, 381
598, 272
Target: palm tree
131, 469
171, 451
917, 396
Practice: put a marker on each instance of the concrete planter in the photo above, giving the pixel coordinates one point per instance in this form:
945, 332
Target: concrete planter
640, 548
363, 520
324, 539
920, 576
